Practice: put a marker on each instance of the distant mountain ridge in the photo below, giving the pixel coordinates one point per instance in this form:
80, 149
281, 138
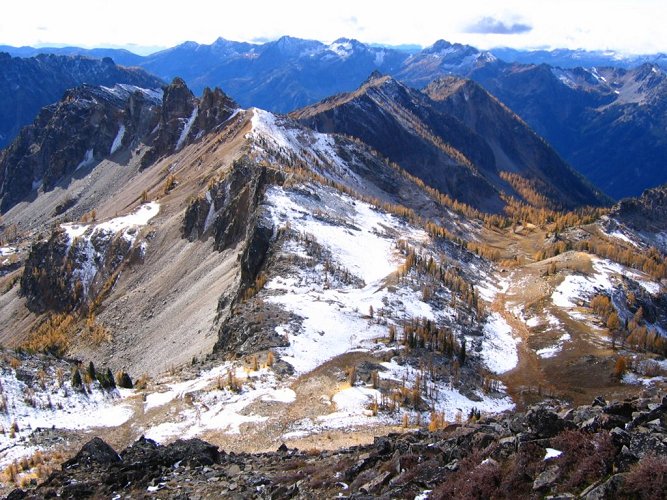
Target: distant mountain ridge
608, 123
568, 58
455, 137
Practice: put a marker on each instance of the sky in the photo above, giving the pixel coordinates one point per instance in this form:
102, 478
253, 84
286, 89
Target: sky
628, 26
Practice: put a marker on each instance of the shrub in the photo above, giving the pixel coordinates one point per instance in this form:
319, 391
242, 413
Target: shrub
620, 367
169, 184
585, 457
106, 380
53, 335
647, 479
475, 479
142, 382
352, 375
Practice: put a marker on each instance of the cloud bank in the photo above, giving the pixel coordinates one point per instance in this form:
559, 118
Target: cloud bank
489, 25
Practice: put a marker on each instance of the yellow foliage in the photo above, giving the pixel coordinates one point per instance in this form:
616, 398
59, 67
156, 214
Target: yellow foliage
53, 335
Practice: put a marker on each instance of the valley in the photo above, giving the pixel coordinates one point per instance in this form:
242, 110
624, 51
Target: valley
189, 269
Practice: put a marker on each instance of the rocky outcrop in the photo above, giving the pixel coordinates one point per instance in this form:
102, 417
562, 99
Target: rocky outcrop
228, 209
230, 212
66, 272
184, 118
647, 213
554, 454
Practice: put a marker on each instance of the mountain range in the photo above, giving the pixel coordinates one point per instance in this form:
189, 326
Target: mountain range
605, 122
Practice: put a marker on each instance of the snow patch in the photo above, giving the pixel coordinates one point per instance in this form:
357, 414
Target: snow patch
187, 127
446, 398
489, 289
577, 287
552, 453
117, 142
634, 379
499, 351
552, 351
87, 160
341, 49
7, 251
619, 235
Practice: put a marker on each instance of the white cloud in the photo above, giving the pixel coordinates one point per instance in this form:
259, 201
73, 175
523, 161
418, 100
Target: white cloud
629, 25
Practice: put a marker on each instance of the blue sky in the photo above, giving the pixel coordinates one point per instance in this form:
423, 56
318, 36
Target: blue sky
631, 26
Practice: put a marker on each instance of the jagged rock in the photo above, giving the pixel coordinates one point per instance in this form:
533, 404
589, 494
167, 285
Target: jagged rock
183, 118
17, 494
642, 444
376, 483
599, 401
622, 409
620, 437
545, 423
94, 451
610, 421
651, 415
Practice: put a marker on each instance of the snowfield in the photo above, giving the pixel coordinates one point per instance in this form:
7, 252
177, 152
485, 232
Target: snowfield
337, 320
214, 407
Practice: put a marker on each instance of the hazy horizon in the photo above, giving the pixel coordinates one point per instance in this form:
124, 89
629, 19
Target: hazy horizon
622, 26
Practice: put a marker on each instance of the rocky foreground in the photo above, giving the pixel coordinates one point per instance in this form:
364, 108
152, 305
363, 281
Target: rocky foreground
604, 450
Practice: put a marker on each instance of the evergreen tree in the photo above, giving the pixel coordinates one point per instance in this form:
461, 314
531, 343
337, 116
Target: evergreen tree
77, 382
462, 353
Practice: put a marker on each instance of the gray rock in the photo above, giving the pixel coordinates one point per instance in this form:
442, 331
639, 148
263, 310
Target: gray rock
546, 479
608, 490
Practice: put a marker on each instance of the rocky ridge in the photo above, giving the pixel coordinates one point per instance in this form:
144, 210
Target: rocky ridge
456, 138
93, 123
28, 84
